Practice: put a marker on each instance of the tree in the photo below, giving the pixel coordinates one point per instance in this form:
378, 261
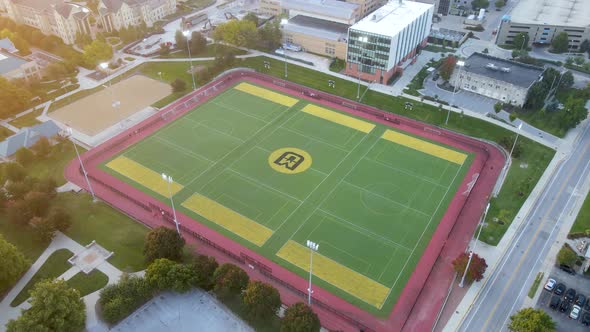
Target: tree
97, 51
536, 96
204, 267
567, 81
574, 112
178, 85
498, 107
43, 228
12, 263
55, 71
560, 43
13, 98
252, 18
163, 242
54, 307
477, 267
164, 49
270, 35
579, 60
45, 185
60, 219
14, 172
447, 67
239, 33
180, 39
566, 256
500, 3
585, 46
198, 43
38, 203
83, 39
230, 280
18, 212
24, 156
119, 300
158, 274
477, 4
521, 41
300, 318
531, 320
261, 301
42, 147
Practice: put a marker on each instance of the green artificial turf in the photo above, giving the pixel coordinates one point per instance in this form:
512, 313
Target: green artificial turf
55, 265
371, 204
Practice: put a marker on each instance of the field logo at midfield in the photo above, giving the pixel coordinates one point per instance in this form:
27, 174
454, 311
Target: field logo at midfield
289, 160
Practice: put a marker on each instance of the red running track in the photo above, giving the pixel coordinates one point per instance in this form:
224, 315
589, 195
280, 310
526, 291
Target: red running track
424, 293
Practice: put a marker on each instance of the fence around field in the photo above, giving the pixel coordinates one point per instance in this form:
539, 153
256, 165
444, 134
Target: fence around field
93, 158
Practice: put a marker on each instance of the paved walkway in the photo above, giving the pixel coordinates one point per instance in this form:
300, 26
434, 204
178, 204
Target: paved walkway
60, 241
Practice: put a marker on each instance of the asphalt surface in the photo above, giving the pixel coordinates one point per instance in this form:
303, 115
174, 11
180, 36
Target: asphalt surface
508, 285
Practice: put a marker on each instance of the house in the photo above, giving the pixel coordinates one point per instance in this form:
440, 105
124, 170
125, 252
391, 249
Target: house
26, 137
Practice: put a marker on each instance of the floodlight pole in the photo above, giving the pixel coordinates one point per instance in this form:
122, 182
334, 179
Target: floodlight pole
82, 165
168, 180
460, 64
515, 139
471, 252
358, 88
283, 22
312, 247
186, 34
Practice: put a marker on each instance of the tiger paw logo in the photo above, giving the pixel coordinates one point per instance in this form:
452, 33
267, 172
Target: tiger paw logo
289, 160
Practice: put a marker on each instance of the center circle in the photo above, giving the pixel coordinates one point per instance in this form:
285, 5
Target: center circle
289, 160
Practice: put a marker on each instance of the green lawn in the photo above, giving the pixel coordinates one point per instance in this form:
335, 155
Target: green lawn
88, 283
536, 156
27, 120
54, 166
110, 228
376, 195
210, 51
582, 223
55, 265
198, 4
5, 132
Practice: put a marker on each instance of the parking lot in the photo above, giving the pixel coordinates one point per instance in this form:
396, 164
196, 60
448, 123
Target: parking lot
582, 286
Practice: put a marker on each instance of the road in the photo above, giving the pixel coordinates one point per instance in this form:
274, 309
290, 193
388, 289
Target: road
504, 292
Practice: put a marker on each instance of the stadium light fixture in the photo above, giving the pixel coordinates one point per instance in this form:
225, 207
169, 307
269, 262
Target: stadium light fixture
312, 247
186, 34
474, 245
169, 180
70, 133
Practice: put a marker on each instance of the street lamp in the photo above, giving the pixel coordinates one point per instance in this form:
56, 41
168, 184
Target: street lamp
474, 245
312, 247
168, 180
160, 74
460, 64
515, 139
186, 33
283, 22
70, 133
358, 88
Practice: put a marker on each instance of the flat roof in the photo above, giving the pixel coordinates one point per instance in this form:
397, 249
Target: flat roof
391, 18
331, 8
513, 72
317, 27
575, 13
9, 62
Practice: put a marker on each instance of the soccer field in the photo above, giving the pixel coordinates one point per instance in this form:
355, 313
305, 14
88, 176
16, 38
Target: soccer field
270, 171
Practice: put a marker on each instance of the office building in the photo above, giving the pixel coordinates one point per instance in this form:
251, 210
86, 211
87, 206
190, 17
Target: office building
544, 20
118, 14
504, 80
15, 67
381, 43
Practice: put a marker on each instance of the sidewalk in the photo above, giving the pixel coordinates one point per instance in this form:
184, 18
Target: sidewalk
60, 241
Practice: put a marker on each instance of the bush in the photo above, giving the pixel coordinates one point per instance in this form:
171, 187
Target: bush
204, 267
164, 274
566, 256
163, 242
121, 299
261, 301
178, 85
230, 280
300, 318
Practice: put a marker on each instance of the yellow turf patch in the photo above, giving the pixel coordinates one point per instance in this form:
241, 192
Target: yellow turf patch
143, 175
228, 219
338, 118
336, 274
266, 94
424, 146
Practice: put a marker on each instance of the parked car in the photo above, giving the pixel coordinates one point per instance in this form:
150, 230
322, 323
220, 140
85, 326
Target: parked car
580, 300
565, 306
587, 305
575, 313
586, 319
567, 269
570, 294
555, 301
550, 284
559, 289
